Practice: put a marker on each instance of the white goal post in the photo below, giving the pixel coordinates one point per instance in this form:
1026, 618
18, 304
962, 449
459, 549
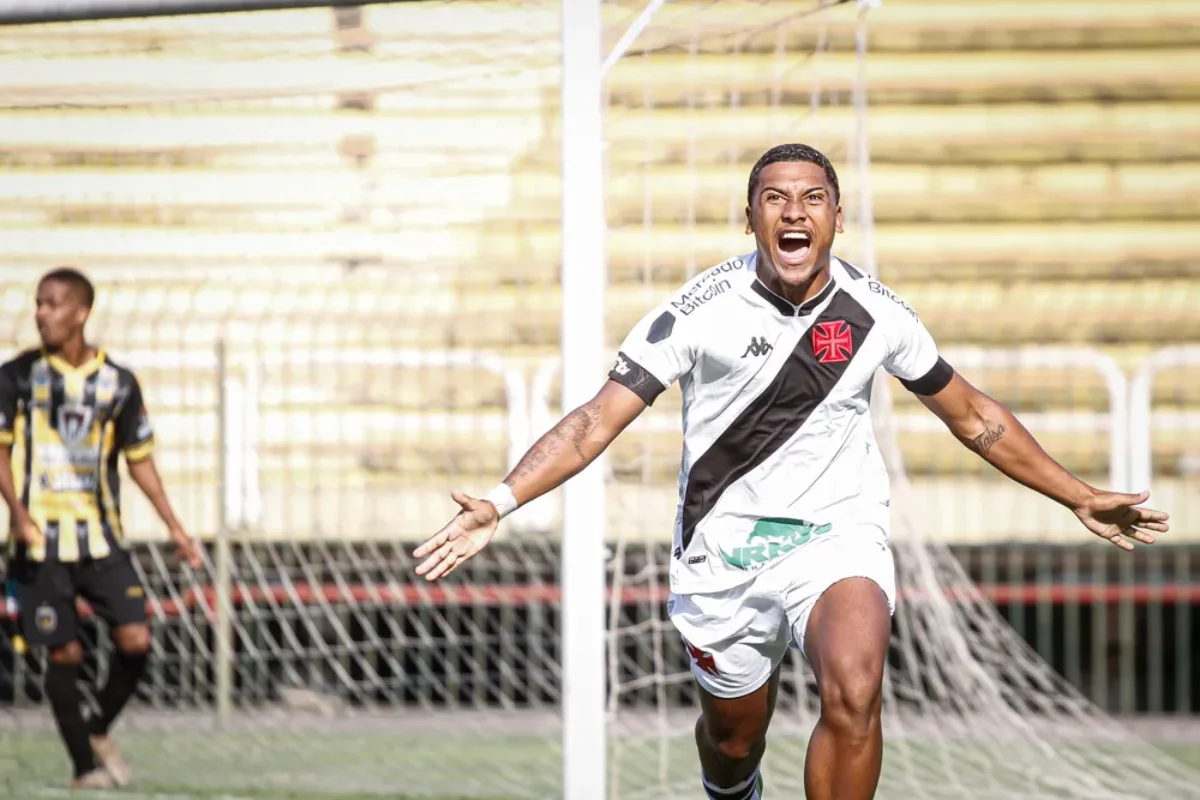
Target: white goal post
584, 281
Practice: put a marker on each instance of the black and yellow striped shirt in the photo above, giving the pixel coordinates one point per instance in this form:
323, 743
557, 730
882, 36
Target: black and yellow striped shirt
67, 427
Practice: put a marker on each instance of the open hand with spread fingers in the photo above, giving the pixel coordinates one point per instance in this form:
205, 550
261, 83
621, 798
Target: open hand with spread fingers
464, 536
1119, 518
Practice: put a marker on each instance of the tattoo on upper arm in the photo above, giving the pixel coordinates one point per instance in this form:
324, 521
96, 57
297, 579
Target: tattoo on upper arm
572, 431
987, 440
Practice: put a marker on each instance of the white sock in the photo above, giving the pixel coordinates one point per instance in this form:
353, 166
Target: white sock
746, 790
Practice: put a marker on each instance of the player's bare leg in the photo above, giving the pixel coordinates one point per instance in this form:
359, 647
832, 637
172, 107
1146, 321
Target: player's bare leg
731, 736
847, 643
129, 663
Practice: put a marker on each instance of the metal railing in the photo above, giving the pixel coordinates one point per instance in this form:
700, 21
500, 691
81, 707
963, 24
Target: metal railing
1142, 415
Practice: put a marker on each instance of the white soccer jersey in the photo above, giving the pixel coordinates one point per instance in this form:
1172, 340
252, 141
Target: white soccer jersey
778, 445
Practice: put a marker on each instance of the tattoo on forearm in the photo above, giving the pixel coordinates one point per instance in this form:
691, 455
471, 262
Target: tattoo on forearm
987, 440
572, 431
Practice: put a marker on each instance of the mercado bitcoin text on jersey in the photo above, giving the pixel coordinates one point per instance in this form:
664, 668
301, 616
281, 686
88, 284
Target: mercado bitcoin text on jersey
778, 446
67, 427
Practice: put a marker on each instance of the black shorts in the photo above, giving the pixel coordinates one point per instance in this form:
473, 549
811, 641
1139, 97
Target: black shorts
46, 593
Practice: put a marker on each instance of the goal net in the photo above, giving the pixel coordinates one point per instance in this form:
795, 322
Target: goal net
970, 709
327, 241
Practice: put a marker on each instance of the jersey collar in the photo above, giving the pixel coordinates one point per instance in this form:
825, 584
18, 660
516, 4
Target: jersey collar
86, 368
783, 306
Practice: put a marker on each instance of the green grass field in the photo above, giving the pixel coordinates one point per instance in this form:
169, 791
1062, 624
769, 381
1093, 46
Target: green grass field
320, 766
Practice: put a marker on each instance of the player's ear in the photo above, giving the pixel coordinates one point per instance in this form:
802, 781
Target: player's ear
749, 227
837, 220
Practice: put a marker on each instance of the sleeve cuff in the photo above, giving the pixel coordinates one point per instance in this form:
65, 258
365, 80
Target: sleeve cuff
636, 378
140, 451
933, 381
6, 437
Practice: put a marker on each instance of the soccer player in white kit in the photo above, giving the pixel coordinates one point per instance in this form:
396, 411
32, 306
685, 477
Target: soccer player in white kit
781, 536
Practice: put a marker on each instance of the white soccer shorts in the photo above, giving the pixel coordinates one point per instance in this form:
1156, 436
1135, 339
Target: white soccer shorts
736, 638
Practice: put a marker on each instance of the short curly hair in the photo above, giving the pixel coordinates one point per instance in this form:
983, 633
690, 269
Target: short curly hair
793, 152
85, 292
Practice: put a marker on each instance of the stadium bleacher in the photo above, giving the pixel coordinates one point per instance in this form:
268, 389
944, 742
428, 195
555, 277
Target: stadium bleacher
1036, 182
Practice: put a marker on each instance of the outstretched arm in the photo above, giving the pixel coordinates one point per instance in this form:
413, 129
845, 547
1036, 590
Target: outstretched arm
988, 428
655, 354
563, 452
576, 441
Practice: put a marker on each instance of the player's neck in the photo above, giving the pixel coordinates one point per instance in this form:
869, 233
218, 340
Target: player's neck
799, 293
76, 352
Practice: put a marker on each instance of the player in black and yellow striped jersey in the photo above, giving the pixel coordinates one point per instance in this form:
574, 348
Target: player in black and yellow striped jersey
67, 413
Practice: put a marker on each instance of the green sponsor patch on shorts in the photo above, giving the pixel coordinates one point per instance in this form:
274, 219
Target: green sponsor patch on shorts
771, 538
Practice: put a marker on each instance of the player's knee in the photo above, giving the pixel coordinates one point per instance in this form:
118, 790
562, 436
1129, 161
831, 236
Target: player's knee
851, 701
132, 640
731, 744
69, 655
739, 748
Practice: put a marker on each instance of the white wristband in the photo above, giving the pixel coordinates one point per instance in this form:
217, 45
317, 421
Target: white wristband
502, 498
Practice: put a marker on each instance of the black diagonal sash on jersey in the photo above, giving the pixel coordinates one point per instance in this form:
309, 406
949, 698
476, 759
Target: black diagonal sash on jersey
774, 416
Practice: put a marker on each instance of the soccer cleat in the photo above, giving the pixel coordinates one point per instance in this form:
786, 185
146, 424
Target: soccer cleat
109, 757
96, 779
